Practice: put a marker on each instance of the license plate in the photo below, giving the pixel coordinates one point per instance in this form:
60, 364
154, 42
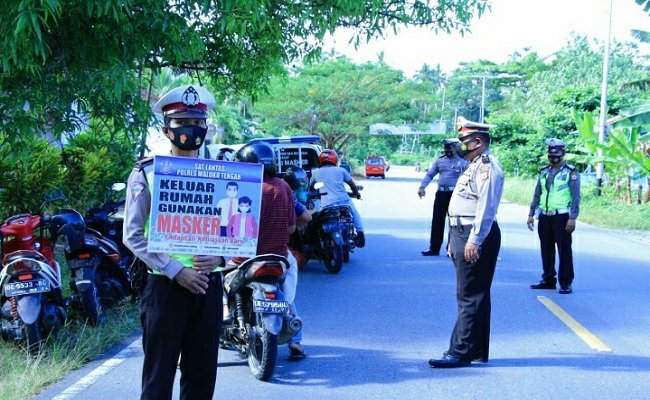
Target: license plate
81, 262
26, 287
330, 226
270, 306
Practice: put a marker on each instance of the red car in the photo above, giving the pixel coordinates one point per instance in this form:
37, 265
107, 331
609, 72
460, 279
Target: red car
376, 166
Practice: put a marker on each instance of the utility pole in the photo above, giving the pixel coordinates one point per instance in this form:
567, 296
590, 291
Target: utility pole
603, 105
483, 99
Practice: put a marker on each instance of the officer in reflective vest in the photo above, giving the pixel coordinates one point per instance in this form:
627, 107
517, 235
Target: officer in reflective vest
181, 303
557, 202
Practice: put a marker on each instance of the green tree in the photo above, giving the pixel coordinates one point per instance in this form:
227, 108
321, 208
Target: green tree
64, 59
338, 100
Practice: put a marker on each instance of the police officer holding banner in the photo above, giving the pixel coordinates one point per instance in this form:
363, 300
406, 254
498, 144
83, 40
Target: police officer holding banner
449, 166
181, 305
557, 202
475, 240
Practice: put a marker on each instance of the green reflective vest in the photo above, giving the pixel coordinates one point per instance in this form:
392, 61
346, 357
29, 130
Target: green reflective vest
559, 197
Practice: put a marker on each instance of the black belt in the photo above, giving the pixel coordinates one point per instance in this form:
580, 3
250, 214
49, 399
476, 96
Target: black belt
445, 188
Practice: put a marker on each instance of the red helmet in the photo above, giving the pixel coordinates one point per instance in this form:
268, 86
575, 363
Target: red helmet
328, 156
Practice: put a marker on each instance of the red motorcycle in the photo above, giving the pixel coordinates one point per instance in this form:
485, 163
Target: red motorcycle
30, 280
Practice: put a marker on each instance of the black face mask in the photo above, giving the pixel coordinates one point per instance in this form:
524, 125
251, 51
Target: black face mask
189, 137
554, 159
462, 148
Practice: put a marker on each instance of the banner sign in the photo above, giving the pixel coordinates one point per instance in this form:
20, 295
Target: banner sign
205, 207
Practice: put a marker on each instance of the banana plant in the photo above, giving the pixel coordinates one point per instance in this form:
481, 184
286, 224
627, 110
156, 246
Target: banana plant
622, 152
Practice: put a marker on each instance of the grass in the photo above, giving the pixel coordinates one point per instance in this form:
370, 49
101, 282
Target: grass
23, 376
605, 211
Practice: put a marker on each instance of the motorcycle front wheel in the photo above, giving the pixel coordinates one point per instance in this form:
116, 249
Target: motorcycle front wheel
262, 350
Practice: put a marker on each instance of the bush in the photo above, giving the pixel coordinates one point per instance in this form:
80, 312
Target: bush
27, 171
94, 163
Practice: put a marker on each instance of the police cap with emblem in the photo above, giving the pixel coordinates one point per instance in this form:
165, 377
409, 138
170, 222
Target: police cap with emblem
187, 101
449, 143
555, 146
467, 128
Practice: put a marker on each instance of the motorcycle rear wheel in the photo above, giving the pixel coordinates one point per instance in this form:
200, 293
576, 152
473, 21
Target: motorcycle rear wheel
90, 305
262, 351
33, 337
334, 259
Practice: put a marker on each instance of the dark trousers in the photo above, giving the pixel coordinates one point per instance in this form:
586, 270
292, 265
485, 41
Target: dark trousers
440, 207
176, 321
552, 232
470, 338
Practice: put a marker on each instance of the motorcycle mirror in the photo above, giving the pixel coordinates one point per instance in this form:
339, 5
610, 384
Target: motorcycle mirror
318, 185
118, 187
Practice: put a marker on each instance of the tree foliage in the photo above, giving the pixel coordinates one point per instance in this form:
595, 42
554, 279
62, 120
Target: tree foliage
64, 59
338, 100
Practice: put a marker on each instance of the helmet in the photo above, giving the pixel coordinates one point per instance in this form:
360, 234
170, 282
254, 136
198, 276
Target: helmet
328, 156
258, 153
71, 225
297, 179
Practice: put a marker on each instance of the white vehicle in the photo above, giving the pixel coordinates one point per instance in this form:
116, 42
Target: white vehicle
300, 151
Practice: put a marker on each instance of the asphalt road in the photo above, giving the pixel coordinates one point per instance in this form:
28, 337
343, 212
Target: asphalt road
370, 329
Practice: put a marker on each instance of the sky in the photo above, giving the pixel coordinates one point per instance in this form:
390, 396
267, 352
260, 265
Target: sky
511, 25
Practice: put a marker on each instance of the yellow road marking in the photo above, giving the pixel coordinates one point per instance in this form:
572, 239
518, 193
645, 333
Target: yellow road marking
577, 328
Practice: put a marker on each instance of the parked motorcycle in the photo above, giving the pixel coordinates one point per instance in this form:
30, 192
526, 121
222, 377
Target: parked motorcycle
108, 219
98, 273
260, 317
30, 281
330, 236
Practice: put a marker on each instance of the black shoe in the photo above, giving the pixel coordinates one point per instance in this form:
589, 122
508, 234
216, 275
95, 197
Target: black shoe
449, 361
543, 285
566, 289
430, 253
296, 352
361, 239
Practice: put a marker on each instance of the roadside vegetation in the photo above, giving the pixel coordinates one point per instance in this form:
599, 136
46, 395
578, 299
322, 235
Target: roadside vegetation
607, 211
76, 344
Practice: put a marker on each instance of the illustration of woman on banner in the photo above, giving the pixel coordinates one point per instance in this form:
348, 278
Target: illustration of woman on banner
243, 223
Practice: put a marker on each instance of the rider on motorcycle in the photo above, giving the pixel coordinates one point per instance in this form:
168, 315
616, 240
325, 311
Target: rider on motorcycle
334, 179
277, 223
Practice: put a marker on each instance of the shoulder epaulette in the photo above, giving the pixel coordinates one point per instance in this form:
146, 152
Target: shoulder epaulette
141, 164
545, 168
570, 167
485, 158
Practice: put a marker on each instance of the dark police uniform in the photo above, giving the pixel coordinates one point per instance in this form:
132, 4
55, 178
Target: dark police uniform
449, 169
174, 320
472, 218
556, 200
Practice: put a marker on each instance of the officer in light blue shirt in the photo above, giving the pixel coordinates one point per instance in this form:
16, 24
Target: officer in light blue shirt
449, 167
